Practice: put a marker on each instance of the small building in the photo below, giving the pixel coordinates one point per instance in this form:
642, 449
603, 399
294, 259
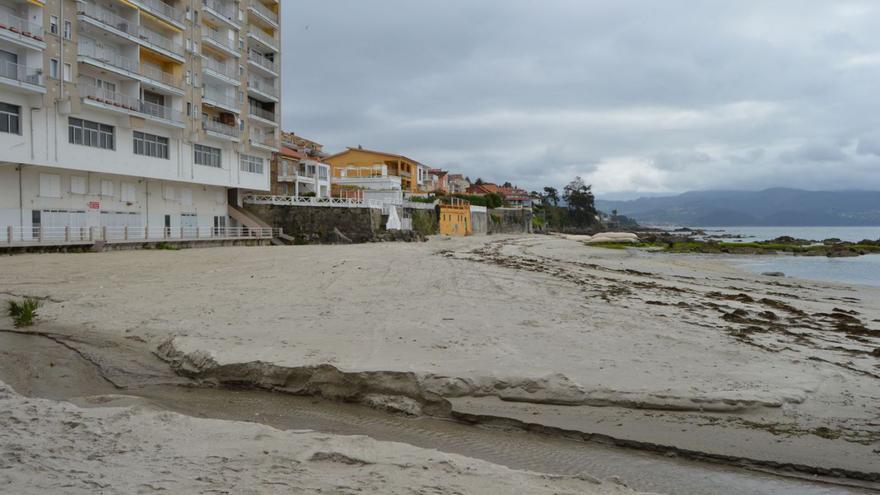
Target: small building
458, 184
359, 162
455, 218
297, 169
438, 181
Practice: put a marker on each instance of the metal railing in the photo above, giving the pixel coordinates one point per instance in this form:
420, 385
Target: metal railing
261, 60
263, 37
259, 199
129, 27
258, 136
22, 73
262, 10
261, 113
226, 11
220, 99
224, 69
161, 8
127, 102
216, 37
13, 235
90, 50
20, 26
263, 85
220, 128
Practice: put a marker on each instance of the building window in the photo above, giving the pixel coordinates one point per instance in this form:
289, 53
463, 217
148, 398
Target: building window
128, 192
88, 133
50, 186
107, 189
252, 164
67, 71
78, 184
53, 68
150, 145
53, 24
10, 118
68, 31
207, 156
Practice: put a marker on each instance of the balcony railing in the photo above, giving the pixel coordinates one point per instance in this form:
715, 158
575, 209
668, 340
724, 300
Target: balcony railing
21, 73
88, 49
263, 85
128, 26
161, 8
127, 102
20, 26
264, 11
261, 60
220, 99
216, 37
263, 37
258, 136
226, 11
261, 113
224, 69
220, 128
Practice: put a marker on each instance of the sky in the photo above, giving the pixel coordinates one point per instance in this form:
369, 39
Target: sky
636, 96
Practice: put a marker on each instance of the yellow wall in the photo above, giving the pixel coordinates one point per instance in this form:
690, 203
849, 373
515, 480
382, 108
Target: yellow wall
455, 220
365, 158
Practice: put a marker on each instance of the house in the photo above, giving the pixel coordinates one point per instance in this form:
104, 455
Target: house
295, 173
483, 189
150, 115
363, 163
512, 196
457, 183
438, 180
455, 218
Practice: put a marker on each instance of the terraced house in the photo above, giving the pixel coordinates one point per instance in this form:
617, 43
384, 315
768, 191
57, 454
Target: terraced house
135, 113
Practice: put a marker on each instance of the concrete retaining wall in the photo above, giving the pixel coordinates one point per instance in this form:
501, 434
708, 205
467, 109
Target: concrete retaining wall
312, 224
510, 221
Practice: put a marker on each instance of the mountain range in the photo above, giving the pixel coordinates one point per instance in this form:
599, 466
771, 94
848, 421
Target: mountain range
770, 207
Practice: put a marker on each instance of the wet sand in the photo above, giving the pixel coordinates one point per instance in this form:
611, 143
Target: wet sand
691, 353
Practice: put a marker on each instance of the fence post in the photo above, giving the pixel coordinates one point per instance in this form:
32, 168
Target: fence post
104, 233
125, 233
198, 231
147, 232
10, 233
67, 233
181, 231
41, 238
91, 234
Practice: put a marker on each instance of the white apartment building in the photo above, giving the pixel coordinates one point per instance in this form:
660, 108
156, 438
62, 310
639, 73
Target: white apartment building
138, 113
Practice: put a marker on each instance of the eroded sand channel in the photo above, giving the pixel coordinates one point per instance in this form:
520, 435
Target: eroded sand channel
41, 367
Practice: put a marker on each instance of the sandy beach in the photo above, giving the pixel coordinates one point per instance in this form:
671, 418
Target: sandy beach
651, 350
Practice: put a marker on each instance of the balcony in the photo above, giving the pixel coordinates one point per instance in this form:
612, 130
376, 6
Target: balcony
217, 99
262, 115
264, 39
129, 30
221, 71
223, 43
219, 129
263, 13
21, 32
161, 10
263, 140
260, 61
262, 89
89, 53
22, 77
225, 12
120, 103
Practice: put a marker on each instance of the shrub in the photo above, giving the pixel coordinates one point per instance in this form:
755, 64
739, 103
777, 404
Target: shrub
23, 313
424, 222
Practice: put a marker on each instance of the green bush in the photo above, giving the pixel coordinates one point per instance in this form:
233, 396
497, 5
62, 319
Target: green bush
23, 313
425, 222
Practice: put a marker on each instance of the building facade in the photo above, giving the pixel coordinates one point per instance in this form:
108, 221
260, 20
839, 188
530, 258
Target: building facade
136, 112
358, 163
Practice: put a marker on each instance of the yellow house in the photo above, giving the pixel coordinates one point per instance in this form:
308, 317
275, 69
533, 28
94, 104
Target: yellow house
455, 218
358, 162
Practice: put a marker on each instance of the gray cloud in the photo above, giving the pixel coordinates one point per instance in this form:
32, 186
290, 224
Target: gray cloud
633, 94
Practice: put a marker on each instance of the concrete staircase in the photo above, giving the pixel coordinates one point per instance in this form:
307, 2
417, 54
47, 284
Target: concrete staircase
251, 221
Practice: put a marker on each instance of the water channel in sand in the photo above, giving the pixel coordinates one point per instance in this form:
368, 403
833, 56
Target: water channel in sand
38, 367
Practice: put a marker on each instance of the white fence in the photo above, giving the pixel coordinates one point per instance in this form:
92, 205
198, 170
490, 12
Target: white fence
77, 235
311, 201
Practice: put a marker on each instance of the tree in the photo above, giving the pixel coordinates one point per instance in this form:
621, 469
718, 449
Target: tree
507, 184
479, 181
581, 203
551, 196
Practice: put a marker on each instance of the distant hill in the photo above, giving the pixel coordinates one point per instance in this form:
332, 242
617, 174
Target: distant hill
770, 207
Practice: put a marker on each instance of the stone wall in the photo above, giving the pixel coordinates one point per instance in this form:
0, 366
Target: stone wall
480, 221
510, 221
314, 224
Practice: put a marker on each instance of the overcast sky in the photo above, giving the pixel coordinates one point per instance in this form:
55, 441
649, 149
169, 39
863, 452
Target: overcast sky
633, 95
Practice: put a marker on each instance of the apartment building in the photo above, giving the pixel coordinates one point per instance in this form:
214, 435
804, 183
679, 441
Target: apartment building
297, 170
135, 112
